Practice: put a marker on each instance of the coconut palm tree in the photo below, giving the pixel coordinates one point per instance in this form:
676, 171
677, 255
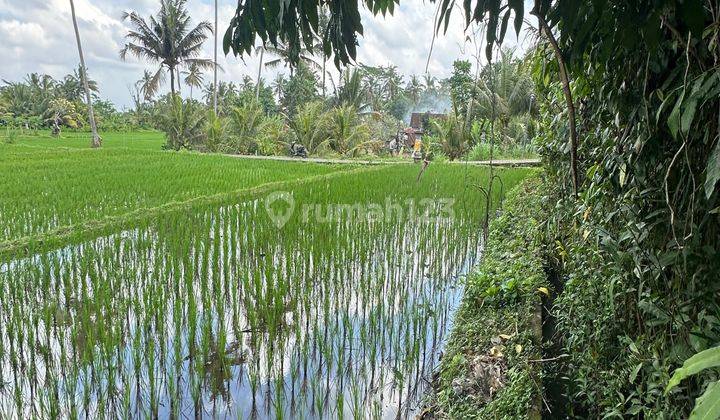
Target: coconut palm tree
150, 83
278, 85
309, 126
95, 142
194, 78
72, 87
430, 82
347, 133
351, 91
167, 38
18, 98
414, 88
260, 49
42, 89
282, 54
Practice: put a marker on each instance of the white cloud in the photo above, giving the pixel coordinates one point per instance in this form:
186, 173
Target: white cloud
38, 37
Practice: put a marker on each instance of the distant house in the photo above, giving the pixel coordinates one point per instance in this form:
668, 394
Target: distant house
419, 120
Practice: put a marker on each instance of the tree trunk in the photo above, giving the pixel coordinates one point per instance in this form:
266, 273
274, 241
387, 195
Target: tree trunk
96, 141
324, 73
257, 84
179, 80
172, 80
568, 98
215, 103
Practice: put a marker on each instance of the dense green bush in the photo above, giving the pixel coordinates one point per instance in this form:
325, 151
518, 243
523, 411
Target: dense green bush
183, 122
637, 251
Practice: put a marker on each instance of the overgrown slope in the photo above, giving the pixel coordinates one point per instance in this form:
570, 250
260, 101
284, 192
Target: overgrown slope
490, 368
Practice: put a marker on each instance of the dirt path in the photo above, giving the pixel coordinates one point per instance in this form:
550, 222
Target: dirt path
499, 162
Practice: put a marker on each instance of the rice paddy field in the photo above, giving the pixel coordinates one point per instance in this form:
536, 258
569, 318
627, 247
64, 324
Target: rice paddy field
262, 289
136, 140
49, 188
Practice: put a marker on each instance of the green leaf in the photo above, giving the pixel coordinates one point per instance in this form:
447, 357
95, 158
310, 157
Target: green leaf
705, 359
634, 373
674, 118
518, 7
504, 25
713, 171
688, 114
707, 406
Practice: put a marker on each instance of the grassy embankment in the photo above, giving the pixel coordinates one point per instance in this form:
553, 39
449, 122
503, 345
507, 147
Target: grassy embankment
490, 368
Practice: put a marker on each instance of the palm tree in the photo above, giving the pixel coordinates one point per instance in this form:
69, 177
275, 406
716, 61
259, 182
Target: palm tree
392, 81
261, 49
347, 133
278, 85
318, 44
430, 82
42, 84
310, 127
351, 92
226, 95
167, 38
194, 78
282, 53
150, 83
95, 142
72, 87
18, 98
42, 88
414, 88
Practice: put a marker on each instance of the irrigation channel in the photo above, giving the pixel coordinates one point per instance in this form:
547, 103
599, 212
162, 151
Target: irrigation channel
328, 300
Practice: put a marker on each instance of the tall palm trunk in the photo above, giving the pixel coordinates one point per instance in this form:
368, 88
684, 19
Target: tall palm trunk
172, 80
257, 84
95, 142
215, 62
324, 73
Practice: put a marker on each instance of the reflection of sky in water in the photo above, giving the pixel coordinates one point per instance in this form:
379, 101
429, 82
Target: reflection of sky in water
390, 287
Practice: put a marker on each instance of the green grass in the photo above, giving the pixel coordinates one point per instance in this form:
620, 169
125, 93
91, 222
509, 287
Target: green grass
481, 151
51, 187
137, 140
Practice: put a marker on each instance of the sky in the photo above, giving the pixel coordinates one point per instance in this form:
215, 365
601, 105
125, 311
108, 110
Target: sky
38, 36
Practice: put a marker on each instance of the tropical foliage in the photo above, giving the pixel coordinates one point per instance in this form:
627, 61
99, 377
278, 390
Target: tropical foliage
167, 39
634, 255
40, 101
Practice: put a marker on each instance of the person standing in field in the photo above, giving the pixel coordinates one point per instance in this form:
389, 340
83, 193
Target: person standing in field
417, 150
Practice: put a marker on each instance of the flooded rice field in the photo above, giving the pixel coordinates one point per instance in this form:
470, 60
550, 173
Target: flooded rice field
328, 301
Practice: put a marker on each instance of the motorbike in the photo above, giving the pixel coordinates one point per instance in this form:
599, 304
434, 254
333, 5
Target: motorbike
298, 150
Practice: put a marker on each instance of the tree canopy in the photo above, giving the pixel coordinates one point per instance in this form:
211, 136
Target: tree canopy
296, 24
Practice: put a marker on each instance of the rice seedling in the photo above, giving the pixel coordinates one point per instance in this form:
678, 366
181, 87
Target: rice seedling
219, 310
